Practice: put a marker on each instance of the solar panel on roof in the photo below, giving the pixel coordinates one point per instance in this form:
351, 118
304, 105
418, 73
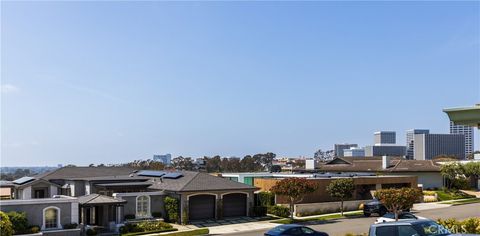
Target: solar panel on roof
23, 180
152, 173
173, 175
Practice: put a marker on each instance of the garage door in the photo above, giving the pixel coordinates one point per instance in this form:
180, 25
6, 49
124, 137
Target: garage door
234, 204
201, 207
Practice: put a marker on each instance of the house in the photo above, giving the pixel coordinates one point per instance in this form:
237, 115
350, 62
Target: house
427, 171
105, 195
51, 214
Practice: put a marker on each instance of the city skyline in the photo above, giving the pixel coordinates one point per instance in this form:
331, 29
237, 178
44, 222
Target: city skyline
104, 82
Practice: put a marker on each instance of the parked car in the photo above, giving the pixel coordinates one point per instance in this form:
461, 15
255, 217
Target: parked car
375, 206
409, 228
389, 217
294, 229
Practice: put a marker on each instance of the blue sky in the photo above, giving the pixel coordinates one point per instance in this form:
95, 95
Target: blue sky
108, 82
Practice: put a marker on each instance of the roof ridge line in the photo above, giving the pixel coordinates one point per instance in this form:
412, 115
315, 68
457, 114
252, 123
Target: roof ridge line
185, 185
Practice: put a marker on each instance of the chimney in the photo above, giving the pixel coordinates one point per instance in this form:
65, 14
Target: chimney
385, 162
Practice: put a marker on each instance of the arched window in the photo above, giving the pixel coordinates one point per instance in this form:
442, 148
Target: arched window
51, 218
143, 206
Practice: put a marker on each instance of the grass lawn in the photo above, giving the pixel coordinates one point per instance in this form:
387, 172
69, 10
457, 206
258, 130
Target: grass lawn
202, 231
463, 201
452, 195
318, 218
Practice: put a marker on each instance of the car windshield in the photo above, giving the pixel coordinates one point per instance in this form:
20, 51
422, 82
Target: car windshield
431, 228
278, 229
389, 215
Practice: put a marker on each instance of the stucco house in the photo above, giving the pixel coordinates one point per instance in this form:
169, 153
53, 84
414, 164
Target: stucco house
427, 171
106, 195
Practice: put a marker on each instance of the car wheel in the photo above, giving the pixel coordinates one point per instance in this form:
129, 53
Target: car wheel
366, 214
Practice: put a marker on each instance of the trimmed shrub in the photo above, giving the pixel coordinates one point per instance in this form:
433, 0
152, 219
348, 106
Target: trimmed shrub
91, 232
70, 226
34, 229
145, 226
266, 199
19, 221
6, 228
259, 210
171, 208
467, 226
278, 210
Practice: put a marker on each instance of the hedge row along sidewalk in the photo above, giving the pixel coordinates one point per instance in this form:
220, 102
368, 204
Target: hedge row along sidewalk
202, 231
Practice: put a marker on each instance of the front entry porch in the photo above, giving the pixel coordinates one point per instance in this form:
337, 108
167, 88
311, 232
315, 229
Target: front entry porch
100, 210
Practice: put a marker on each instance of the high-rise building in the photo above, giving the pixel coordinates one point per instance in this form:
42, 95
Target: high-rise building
410, 143
354, 152
165, 159
428, 146
384, 150
338, 149
385, 137
467, 131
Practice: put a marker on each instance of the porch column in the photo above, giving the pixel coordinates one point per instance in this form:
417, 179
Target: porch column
119, 214
219, 207
82, 215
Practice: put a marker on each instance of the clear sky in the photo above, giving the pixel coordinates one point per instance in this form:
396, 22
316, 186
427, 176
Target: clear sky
107, 82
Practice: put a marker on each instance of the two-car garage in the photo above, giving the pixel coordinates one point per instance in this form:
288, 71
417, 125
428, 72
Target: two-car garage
201, 207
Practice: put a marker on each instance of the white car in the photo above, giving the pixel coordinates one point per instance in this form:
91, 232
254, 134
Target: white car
390, 217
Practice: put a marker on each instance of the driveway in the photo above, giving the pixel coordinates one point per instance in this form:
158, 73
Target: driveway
361, 224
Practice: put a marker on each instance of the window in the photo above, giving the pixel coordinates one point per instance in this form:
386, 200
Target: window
51, 218
406, 230
294, 231
307, 230
143, 206
385, 230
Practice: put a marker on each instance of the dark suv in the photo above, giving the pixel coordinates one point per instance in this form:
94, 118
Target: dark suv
375, 206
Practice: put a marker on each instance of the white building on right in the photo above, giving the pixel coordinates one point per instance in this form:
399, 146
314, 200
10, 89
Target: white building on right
467, 131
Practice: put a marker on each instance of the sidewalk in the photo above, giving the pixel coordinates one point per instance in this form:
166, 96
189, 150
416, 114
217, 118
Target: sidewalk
242, 227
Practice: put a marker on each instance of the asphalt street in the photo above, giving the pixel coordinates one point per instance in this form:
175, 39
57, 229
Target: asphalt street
359, 225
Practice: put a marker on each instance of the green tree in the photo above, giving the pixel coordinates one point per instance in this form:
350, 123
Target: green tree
183, 163
472, 170
19, 221
295, 189
451, 172
341, 189
396, 200
6, 228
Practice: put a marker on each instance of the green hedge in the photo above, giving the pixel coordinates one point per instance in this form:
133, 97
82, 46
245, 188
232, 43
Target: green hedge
171, 208
467, 226
145, 227
266, 199
202, 231
278, 210
149, 232
259, 211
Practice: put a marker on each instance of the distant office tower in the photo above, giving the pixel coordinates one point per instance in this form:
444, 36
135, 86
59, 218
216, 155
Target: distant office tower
385, 137
428, 146
354, 152
384, 150
340, 147
467, 131
165, 159
410, 143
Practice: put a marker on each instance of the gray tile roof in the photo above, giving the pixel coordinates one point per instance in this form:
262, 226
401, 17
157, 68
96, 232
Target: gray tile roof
197, 181
71, 173
95, 199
